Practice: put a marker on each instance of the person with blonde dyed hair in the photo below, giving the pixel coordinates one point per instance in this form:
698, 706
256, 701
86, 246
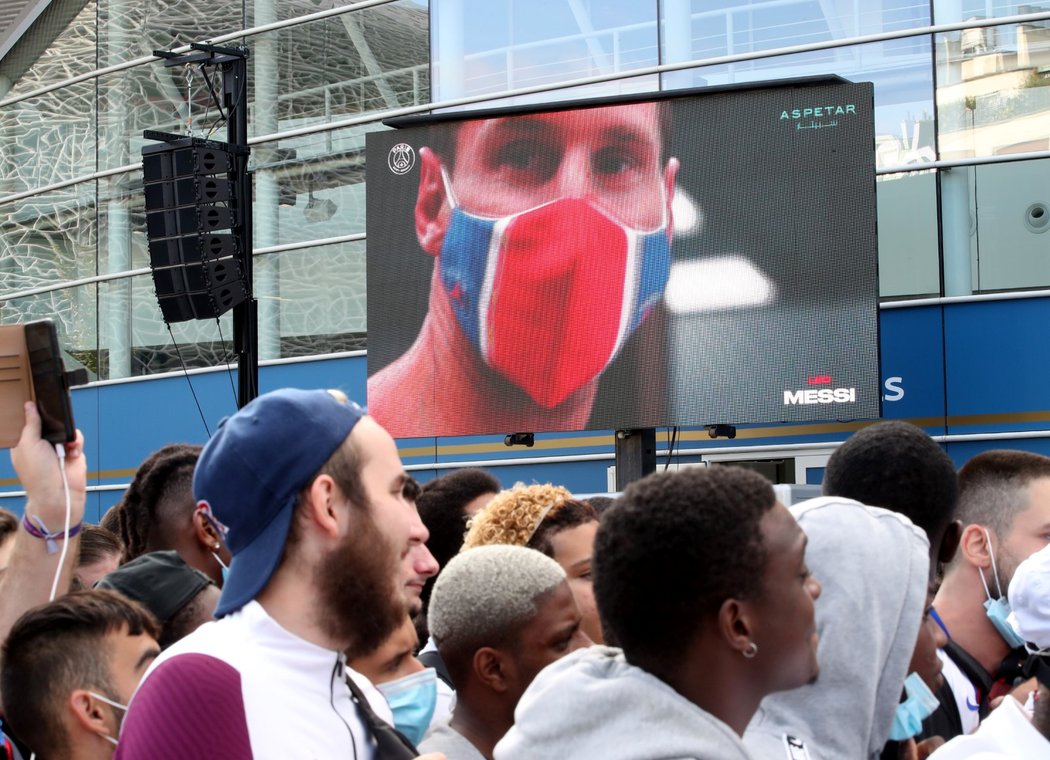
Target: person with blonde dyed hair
546, 518
513, 516
499, 614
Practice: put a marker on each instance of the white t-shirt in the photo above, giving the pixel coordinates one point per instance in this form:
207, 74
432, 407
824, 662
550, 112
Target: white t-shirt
244, 687
966, 699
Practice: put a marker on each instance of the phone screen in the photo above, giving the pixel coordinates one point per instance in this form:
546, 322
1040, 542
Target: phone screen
52, 396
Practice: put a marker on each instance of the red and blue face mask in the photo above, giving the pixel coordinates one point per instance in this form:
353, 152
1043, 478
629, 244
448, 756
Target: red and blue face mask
548, 296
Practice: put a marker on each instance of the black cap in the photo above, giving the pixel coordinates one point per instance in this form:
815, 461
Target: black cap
161, 581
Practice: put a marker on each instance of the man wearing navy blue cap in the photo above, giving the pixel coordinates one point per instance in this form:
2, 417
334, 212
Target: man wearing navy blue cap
318, 514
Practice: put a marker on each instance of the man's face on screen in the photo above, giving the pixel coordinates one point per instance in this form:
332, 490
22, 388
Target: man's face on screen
553, 238
608, 156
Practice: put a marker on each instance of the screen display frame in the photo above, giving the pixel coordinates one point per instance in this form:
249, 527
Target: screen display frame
777, 225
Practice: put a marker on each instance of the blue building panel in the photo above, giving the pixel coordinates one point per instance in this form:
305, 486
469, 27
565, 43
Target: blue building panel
997, 366
912, 344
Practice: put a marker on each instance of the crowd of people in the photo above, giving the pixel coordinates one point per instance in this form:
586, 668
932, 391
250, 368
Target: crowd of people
289, 591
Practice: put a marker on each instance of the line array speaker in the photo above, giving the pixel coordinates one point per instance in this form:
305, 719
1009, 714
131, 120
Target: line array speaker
194, 225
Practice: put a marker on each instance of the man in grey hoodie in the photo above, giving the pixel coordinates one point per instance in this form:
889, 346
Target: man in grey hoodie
873, 564
876, 566
701, 577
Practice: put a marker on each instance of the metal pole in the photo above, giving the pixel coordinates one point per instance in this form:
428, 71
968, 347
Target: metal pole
635, 455
246, 314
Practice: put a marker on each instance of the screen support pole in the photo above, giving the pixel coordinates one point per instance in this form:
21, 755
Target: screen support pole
635, 455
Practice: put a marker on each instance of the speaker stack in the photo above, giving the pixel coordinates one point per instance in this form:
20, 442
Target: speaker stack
194, 223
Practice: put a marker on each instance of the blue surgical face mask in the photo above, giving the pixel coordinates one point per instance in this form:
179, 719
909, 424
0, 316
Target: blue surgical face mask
919, 705
998, 609
412, 700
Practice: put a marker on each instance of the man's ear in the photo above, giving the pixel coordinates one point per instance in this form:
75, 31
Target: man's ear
205, 532
949, 542
670, 177
973, 545
734, 624
493, 668
432, 208
324, 505
89, 713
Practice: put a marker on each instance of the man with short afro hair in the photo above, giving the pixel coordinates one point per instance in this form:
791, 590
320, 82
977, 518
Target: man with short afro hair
632, 581
897, 466
445, 504
499, 614
701, 576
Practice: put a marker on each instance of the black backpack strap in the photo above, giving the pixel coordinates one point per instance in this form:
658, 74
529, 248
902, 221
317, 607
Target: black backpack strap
978, 676
432, 659
391, 744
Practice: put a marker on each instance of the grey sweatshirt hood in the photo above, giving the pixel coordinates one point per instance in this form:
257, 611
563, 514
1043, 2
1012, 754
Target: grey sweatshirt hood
873, 565
593, 705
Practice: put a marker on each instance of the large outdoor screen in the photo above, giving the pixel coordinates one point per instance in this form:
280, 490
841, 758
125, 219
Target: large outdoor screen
699, 258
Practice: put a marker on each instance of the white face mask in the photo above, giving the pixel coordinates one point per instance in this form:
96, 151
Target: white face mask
1030, 601
111, 703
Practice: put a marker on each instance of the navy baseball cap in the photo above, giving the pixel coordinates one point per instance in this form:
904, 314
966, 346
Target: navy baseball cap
250, 473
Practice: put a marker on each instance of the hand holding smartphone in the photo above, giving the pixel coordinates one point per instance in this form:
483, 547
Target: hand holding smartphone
31, 369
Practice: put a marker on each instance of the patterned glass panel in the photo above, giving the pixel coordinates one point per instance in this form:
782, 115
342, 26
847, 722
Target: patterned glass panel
354, 63
150, 96
74, 311
122, 223
130, 29
48, 238
47, 139
61, 45
310, 187
318, 295
145, 346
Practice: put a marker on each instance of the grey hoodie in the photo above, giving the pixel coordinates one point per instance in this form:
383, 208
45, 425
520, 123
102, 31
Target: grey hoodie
593, 705
873, 566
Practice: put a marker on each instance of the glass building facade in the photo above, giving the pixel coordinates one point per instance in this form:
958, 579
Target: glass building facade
962, 96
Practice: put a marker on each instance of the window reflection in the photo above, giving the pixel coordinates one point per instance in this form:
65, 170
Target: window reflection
993, 90
491, 46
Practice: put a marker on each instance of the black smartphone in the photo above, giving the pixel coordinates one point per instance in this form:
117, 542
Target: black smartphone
50, 382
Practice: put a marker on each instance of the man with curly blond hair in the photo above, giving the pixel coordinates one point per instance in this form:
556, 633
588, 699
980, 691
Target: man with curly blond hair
546, 518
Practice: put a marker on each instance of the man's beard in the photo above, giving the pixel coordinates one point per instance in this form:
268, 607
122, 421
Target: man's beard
362, 604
